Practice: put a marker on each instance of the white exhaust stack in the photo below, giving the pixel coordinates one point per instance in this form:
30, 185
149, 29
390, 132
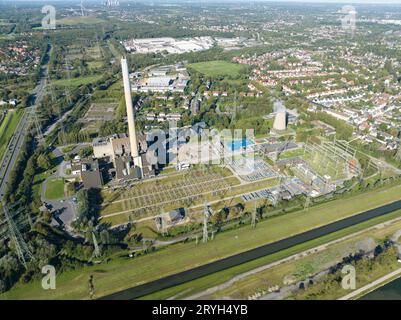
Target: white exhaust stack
130, 109
130, 115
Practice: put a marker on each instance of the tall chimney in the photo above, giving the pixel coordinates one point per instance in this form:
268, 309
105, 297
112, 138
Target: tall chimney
130, 109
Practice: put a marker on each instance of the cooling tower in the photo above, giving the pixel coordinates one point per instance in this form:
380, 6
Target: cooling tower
280, 122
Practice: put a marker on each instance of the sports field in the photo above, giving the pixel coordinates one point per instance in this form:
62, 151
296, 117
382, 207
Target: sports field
7, 128
121, 273
54, 189
217, 68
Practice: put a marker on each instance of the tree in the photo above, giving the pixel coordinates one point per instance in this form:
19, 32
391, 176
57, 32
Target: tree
71, 187
104, 237
3, 287
44, 161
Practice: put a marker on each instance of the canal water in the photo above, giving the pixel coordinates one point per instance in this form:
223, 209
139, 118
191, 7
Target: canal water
390, 291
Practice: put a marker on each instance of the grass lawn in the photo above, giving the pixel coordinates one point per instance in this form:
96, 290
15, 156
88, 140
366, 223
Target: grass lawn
75, 82
54, 189
7, 129
95, 64
217, 68
6, 36
122, 272
291, 153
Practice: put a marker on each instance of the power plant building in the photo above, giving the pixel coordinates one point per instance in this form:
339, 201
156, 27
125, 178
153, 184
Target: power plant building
126, 152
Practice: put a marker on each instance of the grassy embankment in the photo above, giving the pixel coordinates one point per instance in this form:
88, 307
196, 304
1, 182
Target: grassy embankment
75, 82
7, 129
122, 273
303, 267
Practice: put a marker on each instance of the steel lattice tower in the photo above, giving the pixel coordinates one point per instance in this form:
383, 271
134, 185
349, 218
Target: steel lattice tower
23, 252
96, 252
39, 133
253, 223
206, 214
398, 154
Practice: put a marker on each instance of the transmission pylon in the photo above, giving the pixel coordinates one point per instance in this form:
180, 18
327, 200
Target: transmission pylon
398, 154
163, 225
206, 215
307, 202
21, 247
96, 252
234, 110
253, 223
82, 9
39, 133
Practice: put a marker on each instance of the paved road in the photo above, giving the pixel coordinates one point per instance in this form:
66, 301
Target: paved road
13, 149
232, 261
372, 285
17, 140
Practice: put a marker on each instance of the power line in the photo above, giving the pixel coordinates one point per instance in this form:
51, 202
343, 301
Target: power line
398, 154
23, 252
253, 223
96, 252
206, 215
39, 133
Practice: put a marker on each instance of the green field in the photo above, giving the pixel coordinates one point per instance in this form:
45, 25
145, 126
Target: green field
291, 153
217, 68
189, 288
75, 82
7, 129
6, 36
54, 189
95, 64
305, 266
121, 273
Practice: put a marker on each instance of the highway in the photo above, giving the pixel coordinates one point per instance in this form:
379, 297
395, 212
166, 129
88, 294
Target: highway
15, 144
13, 149
232, 261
